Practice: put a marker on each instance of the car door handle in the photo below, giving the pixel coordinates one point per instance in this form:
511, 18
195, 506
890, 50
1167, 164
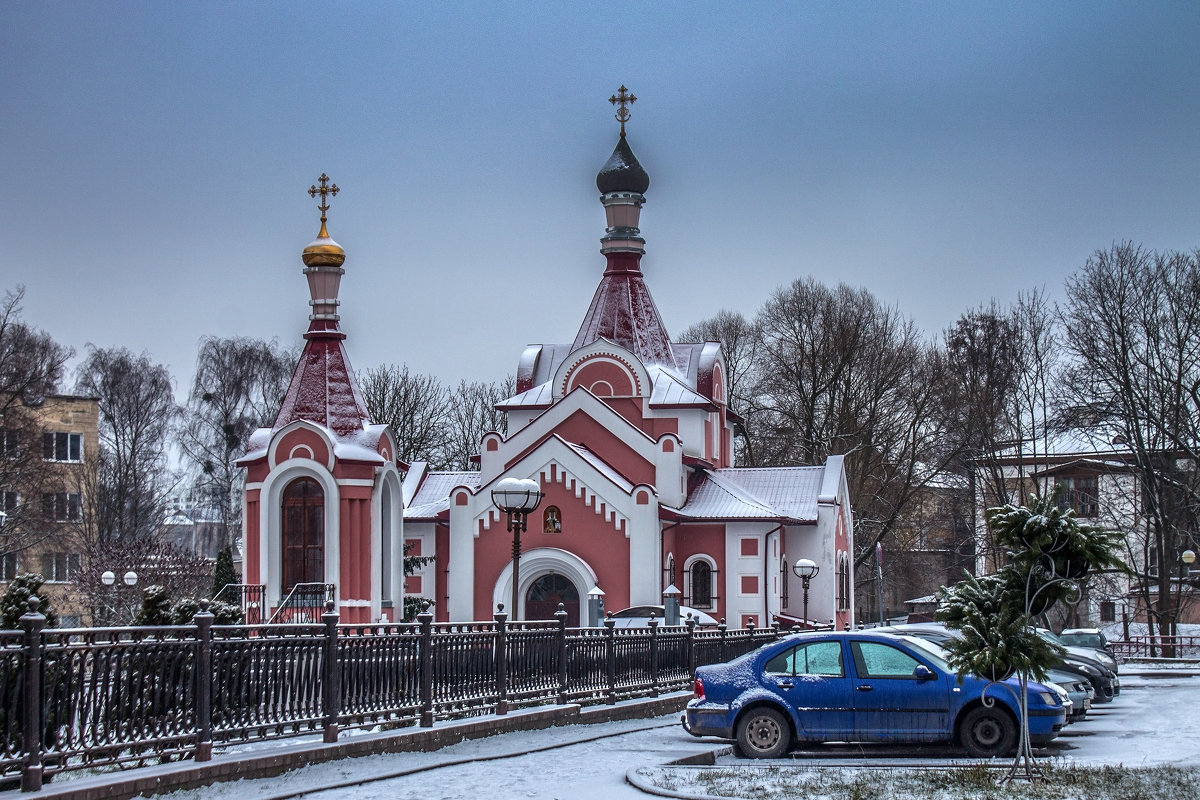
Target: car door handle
865, 688
785, 684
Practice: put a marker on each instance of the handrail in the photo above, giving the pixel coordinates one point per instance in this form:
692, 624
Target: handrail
300, 599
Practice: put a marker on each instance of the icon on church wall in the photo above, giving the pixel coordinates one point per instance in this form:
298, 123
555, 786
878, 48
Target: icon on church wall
551, 521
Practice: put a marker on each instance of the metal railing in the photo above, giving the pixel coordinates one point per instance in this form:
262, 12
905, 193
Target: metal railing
1146, 646
94, 697
304, 603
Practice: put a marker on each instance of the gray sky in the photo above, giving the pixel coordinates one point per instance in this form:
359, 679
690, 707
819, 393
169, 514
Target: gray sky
157, 156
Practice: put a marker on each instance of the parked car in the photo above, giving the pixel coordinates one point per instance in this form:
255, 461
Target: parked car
1105, 683
1103, 656
1087, 637
861, 686
640, 616
1079, 690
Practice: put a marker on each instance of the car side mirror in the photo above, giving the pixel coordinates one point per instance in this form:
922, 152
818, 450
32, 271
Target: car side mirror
923, 673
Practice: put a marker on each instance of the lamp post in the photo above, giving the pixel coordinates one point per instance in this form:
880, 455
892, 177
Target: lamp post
806, 569
1188, 557
516, 497
109, 578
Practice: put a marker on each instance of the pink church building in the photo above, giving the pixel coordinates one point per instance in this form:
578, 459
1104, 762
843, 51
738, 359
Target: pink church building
628, 434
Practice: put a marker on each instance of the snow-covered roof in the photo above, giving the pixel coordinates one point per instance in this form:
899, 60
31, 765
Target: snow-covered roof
433, 495
794, 492
537, 397
716, 497
670, 389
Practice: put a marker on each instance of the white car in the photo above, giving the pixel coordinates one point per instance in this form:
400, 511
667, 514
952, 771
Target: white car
639, 617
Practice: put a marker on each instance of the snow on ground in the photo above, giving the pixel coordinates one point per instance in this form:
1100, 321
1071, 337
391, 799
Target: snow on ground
1152, 722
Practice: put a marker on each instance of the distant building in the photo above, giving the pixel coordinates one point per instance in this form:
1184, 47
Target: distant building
1101, 486
628, 434
47, 447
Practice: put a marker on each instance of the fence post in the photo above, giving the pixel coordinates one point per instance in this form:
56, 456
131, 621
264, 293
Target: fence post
31, 770
722, 627
204, 680
688, 651
561, 616
332, 677
425, 618
610, 658
501, 656
653, 655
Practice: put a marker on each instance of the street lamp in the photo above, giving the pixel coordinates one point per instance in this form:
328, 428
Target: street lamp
517, 497
1188, 557
109, 578
806, 569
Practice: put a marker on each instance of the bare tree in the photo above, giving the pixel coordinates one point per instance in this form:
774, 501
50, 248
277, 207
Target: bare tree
739, 342
154, 561
838, 373
238, 387
472, 414
137, 414
1132, 322
415, 406
31, 366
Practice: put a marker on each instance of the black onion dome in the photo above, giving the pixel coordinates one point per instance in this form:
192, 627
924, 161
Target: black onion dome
622, 172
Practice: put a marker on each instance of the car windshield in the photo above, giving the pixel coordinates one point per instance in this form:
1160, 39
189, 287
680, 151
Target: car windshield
1083, 639
1049, 636
930, 650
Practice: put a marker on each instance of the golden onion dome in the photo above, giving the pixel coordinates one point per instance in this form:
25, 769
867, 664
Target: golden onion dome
323, 251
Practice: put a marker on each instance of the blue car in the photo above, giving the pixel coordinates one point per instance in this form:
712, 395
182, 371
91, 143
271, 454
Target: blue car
861, 687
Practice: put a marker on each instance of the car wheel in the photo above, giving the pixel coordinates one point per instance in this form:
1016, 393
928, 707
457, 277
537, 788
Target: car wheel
763, 733
988, 732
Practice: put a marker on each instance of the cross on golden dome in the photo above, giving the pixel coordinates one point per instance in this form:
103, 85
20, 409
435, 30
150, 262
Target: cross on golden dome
326, 191
623, 98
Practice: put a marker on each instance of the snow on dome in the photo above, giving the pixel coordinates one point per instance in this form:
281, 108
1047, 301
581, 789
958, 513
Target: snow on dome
622, 172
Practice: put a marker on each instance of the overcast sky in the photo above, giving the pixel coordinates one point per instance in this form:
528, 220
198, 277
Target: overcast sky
156, 158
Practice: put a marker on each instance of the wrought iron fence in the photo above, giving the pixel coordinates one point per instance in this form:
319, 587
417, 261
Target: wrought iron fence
78, 698
1157, 646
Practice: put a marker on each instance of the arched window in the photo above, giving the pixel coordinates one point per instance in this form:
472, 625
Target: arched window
303, 533
701, 583
552, 520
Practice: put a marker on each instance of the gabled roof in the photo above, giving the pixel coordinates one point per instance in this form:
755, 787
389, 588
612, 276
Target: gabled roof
601, 466
433, 495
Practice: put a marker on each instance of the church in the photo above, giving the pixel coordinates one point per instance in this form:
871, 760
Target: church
627, 434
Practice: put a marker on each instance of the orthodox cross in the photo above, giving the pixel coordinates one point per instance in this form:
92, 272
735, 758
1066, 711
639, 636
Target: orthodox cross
326, 191
623, 98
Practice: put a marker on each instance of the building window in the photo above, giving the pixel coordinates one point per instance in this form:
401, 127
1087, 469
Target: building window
1108, 611
62, 446
62, 507
700, 584
8, 566
10, 443
303, 533
60, 567
1080, 493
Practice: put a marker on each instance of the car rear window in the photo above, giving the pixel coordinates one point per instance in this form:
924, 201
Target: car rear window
814, 658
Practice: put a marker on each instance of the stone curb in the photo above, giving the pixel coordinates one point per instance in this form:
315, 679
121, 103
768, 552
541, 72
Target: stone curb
269, 762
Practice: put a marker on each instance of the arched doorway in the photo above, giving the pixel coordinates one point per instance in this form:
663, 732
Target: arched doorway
303, 533
544, 595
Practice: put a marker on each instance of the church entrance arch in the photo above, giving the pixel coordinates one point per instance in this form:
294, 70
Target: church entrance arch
544, 595
546, 572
